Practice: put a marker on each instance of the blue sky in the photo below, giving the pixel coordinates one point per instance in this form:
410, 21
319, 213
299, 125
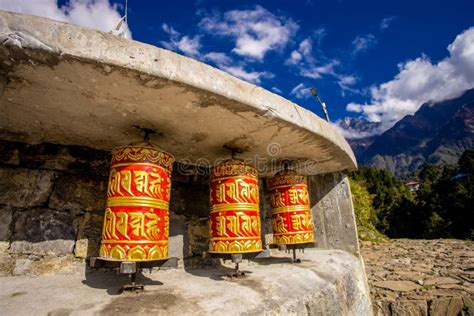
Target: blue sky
373, 59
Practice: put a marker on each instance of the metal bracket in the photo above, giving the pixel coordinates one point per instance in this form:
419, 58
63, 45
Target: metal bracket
292, 249
237, 259
131, 268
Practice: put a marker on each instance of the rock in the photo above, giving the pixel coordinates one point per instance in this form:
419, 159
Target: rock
469, 304
190, 197
89, 236
22, 266
24, 187
72, 158
79, 193
381, 308
178, 238
7, 264
455, 306
440, 280
46, 156
198, 235
54, 264
43, 231
446, 306
4, 246
48, 247
5, 231
9, 153
409, 308
449, 286
400, 286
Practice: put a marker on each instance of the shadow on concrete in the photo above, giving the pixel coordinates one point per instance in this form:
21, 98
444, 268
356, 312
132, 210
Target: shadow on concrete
112, 282
211, 268
273, 260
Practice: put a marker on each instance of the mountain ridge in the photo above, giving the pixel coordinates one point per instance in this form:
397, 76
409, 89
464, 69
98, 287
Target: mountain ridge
437, 133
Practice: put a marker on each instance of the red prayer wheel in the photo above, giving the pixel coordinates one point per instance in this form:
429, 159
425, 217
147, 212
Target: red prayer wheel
234, 221
291, 215
136, 222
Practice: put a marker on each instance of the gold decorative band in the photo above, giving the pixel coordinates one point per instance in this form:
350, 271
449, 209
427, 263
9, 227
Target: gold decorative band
236, 177
126, 164
288, 185
292, 208
294, 233
137, 201
235, 207
235, 238
154, 242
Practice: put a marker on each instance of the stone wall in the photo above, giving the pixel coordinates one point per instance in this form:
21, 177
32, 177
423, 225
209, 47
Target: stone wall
52, 201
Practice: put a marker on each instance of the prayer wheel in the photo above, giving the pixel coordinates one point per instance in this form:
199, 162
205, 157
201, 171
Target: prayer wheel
136, 222
234, 221
291, 215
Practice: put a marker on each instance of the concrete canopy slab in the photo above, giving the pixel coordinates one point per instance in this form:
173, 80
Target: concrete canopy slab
67, 84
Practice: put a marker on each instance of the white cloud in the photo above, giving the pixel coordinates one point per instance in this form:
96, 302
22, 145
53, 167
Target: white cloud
276, 90
385, 23
295, 58
255, 32
169, 29
96, 14
319, 34
315, 72
310, 67
218, 58
305, 49
362, 43
190, 46
300, 91
250, 76
238, 70
420, 81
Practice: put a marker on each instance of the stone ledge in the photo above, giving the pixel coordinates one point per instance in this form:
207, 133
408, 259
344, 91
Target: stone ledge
328, 282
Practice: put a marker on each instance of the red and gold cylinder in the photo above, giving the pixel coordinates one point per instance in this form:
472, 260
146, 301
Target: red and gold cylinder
136, 222
234, 221
291, 215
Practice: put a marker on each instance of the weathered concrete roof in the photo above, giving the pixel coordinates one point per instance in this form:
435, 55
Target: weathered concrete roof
72, 85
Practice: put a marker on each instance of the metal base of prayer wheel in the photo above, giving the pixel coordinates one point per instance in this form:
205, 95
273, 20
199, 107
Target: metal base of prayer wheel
131, 268
237, 273
237, 259
292, 249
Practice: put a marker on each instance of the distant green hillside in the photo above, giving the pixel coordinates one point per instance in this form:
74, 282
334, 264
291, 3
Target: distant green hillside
365, 213
441, 208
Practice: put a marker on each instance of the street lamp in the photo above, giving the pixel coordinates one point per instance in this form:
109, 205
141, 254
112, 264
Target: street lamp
323, 105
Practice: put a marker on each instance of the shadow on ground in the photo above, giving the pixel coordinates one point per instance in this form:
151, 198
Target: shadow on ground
112, 282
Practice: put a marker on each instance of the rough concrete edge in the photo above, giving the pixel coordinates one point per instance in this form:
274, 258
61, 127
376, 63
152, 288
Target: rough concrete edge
351, 205
34, 32
359, 255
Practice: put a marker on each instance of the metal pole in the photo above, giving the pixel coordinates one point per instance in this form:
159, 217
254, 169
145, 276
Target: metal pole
126, 12
323, 105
